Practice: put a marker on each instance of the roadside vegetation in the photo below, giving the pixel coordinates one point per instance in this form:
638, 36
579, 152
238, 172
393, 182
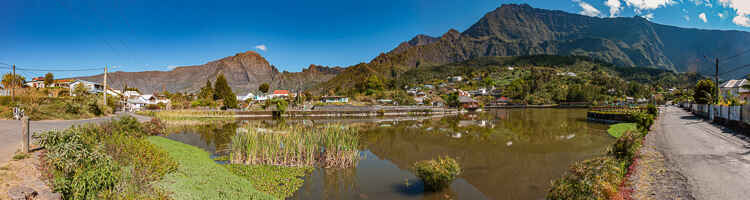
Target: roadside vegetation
601, 177
107, 161
38, 105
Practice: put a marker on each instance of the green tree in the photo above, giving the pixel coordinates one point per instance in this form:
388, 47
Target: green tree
206, 92
224, 92
704, 92
451, 99
49, 79
9, 81
264, 88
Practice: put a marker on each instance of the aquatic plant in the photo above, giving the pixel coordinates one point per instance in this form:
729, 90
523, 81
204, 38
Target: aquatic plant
438, 173
330, 146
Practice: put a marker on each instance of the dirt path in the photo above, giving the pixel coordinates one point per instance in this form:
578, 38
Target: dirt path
701, 160
10, 131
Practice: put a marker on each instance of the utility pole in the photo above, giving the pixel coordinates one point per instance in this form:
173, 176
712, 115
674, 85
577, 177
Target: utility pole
716, 98
13, 85
105, 85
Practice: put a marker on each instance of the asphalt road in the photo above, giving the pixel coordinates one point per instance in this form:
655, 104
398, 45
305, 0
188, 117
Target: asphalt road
714, 160
10, 131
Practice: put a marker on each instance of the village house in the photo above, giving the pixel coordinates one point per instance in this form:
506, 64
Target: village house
246, 97
91, 87
456, 78
37, 82
479, 92
280, 94
734, 88
468, 103
334, 99
63, 83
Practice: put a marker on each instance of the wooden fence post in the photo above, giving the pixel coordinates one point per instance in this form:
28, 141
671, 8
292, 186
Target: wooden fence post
25, 130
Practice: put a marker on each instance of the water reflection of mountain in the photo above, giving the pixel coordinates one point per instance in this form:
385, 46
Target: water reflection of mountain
514, 160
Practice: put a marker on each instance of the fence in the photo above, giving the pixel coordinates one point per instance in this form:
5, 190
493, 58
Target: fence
725, 113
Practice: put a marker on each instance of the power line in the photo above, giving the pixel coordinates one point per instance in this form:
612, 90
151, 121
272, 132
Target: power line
723, 60
59, 70
735, 69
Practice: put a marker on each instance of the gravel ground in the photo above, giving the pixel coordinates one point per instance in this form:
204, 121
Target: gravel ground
686, 157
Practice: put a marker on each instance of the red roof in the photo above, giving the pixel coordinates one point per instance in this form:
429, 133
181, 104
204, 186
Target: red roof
38, 79
281, 92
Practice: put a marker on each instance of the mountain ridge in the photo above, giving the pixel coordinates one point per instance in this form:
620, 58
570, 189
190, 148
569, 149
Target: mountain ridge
244, 71
521, 30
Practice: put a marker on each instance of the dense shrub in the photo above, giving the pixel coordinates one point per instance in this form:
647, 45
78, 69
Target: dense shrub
154, 127
652, 110
626, 147
597, 178
107, 161
643, 121
437, 174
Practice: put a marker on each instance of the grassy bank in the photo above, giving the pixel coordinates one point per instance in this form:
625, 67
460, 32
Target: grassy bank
190, 117
601, 177
199, 177
329, 147
617, 130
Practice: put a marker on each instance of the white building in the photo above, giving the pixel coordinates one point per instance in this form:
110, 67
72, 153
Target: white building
246, 97
733, 87
91, 87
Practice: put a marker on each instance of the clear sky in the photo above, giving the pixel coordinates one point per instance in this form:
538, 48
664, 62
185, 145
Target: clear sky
139, 35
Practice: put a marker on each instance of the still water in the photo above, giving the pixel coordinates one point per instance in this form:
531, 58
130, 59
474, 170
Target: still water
505, 154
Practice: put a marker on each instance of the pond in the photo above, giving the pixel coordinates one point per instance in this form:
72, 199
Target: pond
505, 154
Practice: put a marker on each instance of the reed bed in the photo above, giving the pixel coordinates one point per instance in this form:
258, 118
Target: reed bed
332, 146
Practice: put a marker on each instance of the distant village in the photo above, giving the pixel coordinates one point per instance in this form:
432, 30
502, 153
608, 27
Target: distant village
423, 95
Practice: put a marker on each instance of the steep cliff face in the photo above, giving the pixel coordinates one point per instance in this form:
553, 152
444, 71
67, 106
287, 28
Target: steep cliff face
244, 72
520, 30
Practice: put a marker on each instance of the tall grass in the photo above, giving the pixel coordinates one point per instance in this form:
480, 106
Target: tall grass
331, 146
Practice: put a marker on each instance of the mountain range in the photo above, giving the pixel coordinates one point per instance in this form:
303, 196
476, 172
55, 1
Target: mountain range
244, 73
509, 30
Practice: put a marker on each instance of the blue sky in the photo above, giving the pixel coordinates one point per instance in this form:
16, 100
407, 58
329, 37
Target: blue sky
139, 35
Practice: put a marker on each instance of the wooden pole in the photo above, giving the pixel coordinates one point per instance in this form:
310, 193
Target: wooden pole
13, 85
716, 98
25, 133
105, 85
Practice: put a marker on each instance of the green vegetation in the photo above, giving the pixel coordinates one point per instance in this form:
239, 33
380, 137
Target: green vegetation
10, 81
437, 174
278, 181
224, 92
705, 92
329, 147
39, 106
264, 88
596, 178
199, 177
539, 79
190, 117
617, 130
600, 178
209, 96
20, 156
108, 161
